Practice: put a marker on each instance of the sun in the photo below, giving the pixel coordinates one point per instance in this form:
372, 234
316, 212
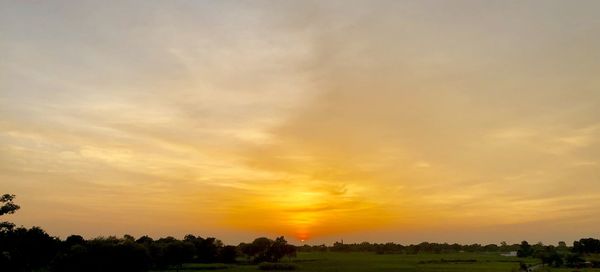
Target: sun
302, 235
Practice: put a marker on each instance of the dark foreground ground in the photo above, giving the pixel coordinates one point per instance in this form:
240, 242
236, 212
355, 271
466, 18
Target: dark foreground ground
331, 261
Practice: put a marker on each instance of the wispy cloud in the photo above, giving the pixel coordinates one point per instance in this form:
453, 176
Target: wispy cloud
307, 119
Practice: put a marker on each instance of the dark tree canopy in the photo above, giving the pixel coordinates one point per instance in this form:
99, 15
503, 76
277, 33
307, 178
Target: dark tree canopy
586, 246
266, 250
525, 250
8, 206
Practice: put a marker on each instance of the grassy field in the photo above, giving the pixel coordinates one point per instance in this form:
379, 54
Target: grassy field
334, 262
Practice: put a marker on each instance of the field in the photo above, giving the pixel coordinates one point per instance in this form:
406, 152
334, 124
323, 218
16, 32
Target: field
359, 262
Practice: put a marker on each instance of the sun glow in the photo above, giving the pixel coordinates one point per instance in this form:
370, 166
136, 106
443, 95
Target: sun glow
300, 211
303, 210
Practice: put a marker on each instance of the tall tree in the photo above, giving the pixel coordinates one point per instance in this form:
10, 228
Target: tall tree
8, 207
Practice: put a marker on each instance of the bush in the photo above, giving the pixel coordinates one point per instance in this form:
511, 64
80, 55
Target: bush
277, 266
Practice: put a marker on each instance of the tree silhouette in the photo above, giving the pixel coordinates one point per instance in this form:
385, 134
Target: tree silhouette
8, 207
549, 256
257, 250
266, 250
525, 250
227, 254
586, 246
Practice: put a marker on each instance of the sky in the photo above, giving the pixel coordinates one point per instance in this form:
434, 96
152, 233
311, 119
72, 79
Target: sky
404, 121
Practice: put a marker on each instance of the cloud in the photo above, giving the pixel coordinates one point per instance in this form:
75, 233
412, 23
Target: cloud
302, 118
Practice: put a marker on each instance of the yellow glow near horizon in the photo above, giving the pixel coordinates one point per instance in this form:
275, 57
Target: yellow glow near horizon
299, 213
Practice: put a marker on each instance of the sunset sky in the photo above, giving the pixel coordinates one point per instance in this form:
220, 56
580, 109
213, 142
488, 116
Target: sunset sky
404, 121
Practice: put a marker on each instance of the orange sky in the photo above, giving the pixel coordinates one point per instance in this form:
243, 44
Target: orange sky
462, 121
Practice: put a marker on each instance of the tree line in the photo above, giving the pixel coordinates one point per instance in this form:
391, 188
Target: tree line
30, 249
560, 255
563, 255
425, 247
23, 249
